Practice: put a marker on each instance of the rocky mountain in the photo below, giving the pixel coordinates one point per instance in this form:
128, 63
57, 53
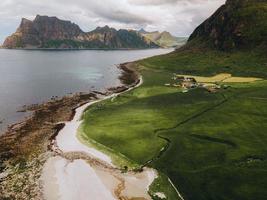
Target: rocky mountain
163, 39
239, 24
43, 29
109, 37
51, 32
142, 31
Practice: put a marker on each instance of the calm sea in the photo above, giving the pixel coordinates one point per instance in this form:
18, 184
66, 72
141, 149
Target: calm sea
32, 76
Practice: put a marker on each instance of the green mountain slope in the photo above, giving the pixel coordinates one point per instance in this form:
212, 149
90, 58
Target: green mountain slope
238, 25
232, 40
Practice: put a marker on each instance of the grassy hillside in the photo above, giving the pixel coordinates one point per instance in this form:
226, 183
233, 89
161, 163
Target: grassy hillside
210, 62
217, 140
211, 145
220, 154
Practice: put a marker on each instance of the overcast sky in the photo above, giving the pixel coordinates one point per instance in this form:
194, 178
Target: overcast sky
180, 17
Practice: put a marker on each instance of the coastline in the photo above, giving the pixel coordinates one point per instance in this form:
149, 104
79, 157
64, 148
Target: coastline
94, 169
24, 148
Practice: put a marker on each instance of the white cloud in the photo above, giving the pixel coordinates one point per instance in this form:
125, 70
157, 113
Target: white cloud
177, 16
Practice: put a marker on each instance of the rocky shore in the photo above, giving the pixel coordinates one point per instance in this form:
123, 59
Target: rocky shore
25, 147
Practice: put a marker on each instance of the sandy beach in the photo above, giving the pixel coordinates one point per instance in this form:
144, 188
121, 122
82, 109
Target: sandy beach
79, 179
81, 172
72, 180
68, 142
32, 141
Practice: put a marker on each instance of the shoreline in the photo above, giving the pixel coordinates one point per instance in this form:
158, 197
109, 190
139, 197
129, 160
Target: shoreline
26, 145
97, 166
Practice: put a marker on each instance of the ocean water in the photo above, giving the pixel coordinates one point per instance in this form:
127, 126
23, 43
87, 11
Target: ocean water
34, 76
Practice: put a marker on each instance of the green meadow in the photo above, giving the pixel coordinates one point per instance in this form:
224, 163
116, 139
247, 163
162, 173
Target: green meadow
211, 145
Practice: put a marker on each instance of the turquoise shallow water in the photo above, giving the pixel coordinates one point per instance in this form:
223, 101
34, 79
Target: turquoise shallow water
33, 76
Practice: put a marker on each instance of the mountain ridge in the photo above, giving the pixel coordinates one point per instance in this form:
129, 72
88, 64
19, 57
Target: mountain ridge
51, 32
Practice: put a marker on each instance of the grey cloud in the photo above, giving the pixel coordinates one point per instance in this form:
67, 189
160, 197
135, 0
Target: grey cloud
123, 17
177, 16
164, 2
167, 2
110, 11
152, 2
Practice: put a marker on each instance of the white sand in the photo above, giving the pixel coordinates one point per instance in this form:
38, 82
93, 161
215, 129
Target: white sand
68, 142
77, 180
73, 180
49, 180
137, 185
65, 180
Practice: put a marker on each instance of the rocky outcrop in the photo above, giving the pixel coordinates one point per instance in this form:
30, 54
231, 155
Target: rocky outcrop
52, 28
42, 29
239, 24
51, 32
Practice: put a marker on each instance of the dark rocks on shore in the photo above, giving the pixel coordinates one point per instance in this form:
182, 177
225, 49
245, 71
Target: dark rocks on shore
101, 93
130, 74
31, 138
4, 156
118, 89
57, 128
40, 126
26, 108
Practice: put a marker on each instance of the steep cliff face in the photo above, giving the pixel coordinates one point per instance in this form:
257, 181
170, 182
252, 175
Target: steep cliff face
51, 32
52, 28
239, 24
24, 34
42, 29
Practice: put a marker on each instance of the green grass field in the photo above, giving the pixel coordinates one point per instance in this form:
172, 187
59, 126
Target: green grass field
217, 143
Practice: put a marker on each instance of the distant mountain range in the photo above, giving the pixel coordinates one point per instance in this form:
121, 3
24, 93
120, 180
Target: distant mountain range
51, 32
163, 39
